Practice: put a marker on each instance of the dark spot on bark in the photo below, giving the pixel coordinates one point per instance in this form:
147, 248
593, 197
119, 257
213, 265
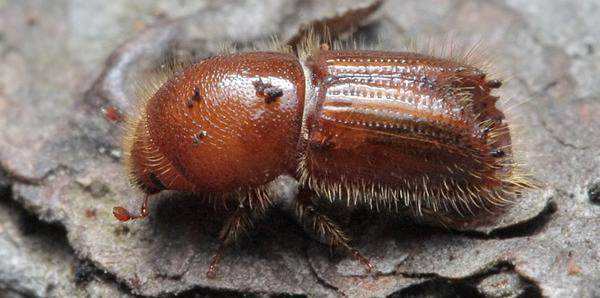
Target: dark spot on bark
90, 213
31, 20
84, 271
121, 230
199, 136
29, 224
594, 192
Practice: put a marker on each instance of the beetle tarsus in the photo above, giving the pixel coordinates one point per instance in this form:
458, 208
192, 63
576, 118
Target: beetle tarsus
327, 229
364, 260
238, 223
214, 264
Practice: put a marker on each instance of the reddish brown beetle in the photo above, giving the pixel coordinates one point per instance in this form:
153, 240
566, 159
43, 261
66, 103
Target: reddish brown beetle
384, 129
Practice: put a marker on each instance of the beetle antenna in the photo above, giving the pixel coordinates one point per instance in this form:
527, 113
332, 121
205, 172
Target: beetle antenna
123, 214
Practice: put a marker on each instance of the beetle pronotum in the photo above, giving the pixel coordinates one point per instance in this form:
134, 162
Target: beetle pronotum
382, 129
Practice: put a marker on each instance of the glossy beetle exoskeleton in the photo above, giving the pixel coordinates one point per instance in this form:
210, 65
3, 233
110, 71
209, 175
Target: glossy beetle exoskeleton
383, 129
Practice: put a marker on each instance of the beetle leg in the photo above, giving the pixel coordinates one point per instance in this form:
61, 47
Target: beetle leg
325, 228
238, 223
